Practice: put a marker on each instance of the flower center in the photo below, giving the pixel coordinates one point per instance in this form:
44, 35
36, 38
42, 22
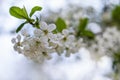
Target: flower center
64, 39
46, 32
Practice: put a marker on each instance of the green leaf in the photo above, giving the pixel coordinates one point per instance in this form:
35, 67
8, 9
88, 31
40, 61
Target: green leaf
20, 27
34, 9
88, 34
37, 23
116, 15
25, 12
18, 12
60, 23
116, 56
82, 24
116, 60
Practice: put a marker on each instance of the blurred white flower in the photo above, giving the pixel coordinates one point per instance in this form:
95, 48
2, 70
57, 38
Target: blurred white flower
17, 43
25, 33
13, 40
106, 44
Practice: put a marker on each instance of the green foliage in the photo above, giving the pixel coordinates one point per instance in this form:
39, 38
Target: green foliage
21, 13
25, 12
81, 29
37, 23
60, 23
82, 24
116, 15
18, 12
88, 34
116, 61
34, 9
20, 27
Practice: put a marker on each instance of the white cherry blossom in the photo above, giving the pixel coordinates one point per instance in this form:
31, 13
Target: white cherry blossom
39, 45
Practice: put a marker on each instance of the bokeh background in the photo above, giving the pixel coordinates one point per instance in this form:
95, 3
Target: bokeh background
14, 66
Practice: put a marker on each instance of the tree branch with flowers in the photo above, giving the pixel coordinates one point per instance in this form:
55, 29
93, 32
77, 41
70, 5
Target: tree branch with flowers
60, 38
47, 38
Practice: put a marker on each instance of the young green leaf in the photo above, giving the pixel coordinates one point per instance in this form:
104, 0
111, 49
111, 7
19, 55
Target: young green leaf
20, 27
18, 12
88, 34
60, 23
25, 12
37, 23
82, 24
116, 15
34, 9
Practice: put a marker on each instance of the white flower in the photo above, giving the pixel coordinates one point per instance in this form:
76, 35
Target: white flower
68, 43
18, 38
107, 43
44, 41
65, 32
55, 38
59, 49
51, 27
13, 40
45, 31
25, 33
47, 28
37, 32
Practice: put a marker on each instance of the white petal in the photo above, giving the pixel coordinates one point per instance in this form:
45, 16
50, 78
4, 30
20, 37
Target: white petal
59, 50
15, 47
25, 33
26, 47
59, 36
18, 37
53, 45
13, 40
51, 27
65, 32
44, 39
51, 35
43, 25
71, 37
38, 32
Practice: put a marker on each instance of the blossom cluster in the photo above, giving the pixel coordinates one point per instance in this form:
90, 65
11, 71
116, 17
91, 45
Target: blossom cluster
43, 42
